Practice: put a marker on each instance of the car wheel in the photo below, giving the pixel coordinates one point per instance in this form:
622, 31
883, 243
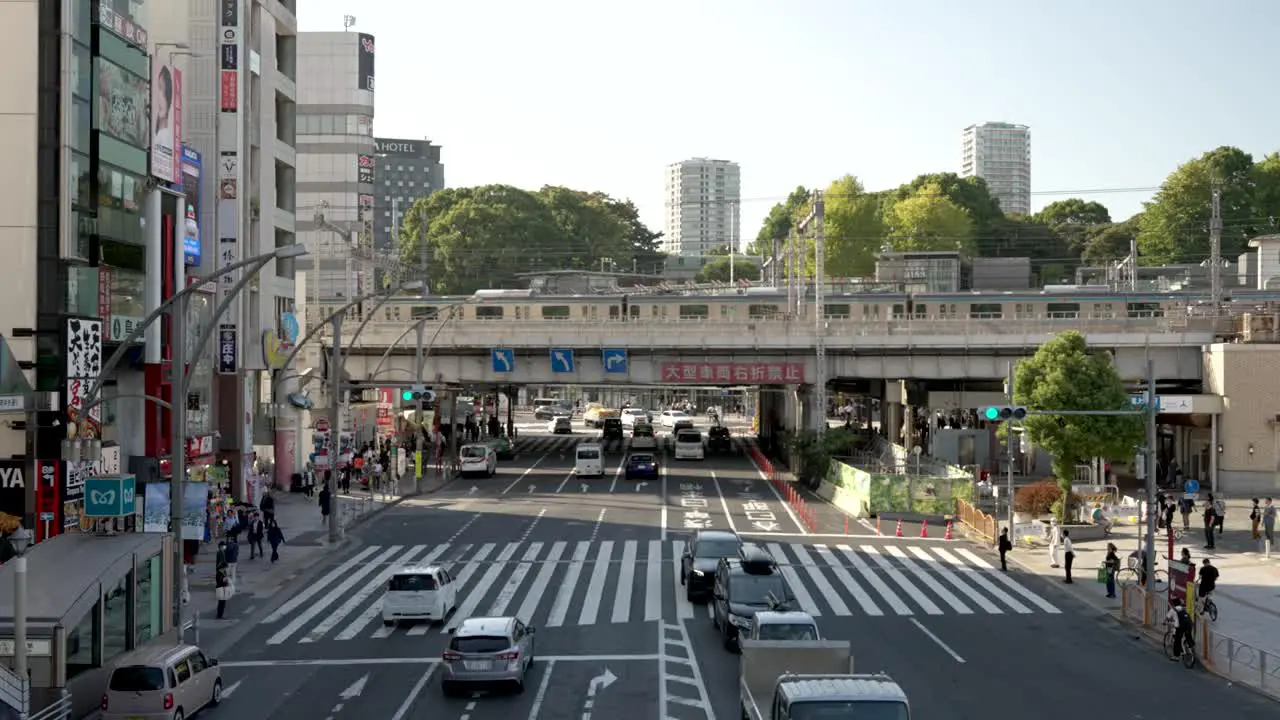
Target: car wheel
689, 594
519, 687
178, 714
216, 698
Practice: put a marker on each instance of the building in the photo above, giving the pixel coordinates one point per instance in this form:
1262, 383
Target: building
239, 59
336, 162
702, 199
1000, 153
406, 170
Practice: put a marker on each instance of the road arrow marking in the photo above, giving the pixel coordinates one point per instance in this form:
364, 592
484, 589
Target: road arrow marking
226, 692
584, 487
474, 490
357, 687
531, 489
640, 485
598, 683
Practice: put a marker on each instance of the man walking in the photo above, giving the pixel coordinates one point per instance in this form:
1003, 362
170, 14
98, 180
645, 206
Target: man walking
1068, 554
1268, 526
1004, 546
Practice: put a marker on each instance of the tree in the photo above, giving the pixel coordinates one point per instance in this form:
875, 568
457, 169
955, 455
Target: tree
929, 221
970, 193
1064, 375
853, 229
1175, 224
1108, 243
718, 270
778, 224
1073, 211
645, 244
1267, 193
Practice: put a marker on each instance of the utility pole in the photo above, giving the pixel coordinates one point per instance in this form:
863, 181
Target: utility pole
335, 427
419, 431
1152, 408
816, 220
1215, 249
1008, 447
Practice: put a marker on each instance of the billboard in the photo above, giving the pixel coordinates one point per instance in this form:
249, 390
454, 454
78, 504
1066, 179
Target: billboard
122, 104
192, 166
166, 122
396, 146
365, 65
365, 165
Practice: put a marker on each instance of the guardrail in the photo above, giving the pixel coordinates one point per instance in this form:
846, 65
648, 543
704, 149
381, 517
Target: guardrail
983, 524
59, 709
1241, 662
787, 490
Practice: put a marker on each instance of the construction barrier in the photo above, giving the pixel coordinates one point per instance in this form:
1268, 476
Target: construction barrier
985, 525
804, 514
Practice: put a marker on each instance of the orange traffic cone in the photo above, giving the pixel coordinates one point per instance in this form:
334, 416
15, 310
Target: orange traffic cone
924, 528
899, 533
948, 535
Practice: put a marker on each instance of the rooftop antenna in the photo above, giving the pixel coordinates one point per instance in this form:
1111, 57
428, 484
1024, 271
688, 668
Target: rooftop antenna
348, 22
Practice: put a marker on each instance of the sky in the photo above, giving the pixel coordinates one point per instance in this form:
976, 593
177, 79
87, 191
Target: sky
603, 95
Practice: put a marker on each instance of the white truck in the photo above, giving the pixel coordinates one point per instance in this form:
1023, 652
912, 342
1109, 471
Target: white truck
800, 680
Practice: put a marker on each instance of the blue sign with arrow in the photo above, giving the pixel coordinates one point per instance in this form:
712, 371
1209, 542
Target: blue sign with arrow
1192, 487
504, 360
615, 361
561, 360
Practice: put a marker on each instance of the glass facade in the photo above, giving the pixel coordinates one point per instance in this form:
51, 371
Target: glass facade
82, 649
116, 638
148, 591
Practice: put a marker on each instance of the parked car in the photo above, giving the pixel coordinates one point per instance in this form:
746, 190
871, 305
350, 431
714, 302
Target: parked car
162, 682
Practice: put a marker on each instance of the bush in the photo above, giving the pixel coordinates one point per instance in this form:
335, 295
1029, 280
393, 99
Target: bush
1037, 499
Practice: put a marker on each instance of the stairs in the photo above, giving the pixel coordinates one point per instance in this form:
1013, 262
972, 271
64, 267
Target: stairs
14, 696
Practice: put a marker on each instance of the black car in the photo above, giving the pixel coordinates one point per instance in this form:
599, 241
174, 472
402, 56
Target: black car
718, 439
744, 586
611, 429
702, 556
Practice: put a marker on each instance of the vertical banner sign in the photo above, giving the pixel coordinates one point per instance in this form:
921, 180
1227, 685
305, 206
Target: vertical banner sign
82, 346
227, 218
365, 169
192, 168
166, 122
365, 63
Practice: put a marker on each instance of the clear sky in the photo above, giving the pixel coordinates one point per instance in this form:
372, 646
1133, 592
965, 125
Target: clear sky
602, 95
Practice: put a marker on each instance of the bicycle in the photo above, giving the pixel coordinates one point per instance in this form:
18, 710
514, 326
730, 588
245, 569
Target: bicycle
1188, 654
1206, 606
1133, 574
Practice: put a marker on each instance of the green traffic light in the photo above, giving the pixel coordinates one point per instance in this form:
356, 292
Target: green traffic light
992, 413
406, 395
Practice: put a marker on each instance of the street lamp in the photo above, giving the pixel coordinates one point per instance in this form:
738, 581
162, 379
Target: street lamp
76, 448
20, 540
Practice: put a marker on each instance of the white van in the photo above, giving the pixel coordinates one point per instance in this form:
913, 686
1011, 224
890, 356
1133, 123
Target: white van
689, 445
589, 460
425, 592
477, 459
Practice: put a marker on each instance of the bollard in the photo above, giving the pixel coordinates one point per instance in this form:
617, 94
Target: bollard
879, 531
948, 534
899, 532
924, 528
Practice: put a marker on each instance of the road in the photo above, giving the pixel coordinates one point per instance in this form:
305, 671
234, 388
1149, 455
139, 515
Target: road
592, 564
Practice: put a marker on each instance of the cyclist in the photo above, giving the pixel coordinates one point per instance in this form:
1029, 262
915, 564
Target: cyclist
1207, 581
1181, 620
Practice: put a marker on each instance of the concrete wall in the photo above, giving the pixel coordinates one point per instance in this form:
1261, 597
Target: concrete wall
1245, 376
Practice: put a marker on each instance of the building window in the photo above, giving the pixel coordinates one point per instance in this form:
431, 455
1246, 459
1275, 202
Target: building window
82, 644
116, 633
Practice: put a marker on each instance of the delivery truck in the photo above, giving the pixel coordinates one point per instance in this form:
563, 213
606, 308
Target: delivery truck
803, 680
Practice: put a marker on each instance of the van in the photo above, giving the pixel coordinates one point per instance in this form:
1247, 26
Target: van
589, 460
164, 682
689, 445
424, 592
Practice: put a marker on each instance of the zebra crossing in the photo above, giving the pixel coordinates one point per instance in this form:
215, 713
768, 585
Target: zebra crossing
554, 443
564, 583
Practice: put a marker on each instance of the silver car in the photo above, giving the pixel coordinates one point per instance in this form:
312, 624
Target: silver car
487, 651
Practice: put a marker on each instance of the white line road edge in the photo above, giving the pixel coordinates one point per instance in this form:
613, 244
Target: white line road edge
412, 697
527, 470
663, 518
542, 689
617, 474
724, 504
326, 662
945, 648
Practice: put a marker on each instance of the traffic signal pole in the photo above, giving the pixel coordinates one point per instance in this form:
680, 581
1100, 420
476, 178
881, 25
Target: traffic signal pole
1008, 444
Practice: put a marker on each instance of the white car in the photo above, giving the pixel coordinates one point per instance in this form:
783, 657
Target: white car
631, 416
424, 592
689, 445
676, 418
642, 437
477, 459
560, 425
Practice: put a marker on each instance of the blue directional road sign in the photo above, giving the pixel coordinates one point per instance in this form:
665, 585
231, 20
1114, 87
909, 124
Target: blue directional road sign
504, 359
1192, 487
615, 360
561, 360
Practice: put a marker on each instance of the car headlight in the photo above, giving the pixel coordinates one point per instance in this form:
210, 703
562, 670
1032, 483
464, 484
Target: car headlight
741, 623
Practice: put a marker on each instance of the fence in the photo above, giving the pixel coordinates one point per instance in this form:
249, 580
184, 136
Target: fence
784, 488
13, 691
60, 709
985, 525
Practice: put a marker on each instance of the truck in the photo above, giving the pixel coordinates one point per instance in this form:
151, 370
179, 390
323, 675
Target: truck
799, 680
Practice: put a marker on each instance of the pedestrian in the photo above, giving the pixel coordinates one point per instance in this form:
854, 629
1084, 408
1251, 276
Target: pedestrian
1169, 509
1255, 519
257, 530
1186, 505
275, 536
1112, 564
1055, 539
1004, 545
232, 554
1068, 554
1219, 514
268, 507
325, 499
1209, 522
222, 589
1269, 525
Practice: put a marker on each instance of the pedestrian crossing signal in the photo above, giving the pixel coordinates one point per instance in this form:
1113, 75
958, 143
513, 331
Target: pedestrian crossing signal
417, 394
1004, 413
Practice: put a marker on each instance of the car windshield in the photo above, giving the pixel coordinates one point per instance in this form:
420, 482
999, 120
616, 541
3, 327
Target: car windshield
471, 452
840, 710
717, 548
479, 644
638, 459
412, 583
689, 437
642, 431
589, 454
137, 678
720, 431
758, 589
788, 631
679, 415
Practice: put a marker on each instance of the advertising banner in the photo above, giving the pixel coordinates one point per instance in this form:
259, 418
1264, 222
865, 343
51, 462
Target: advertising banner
195, 509
192, 169
166, 122
365, 168
365, 64
122, 104
228, 203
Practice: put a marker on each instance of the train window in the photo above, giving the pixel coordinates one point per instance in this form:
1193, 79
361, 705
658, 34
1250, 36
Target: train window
1103, 311
1063, 311
986, 311
840, 311
726, 311
386, 314
418, 312
871, 312
694, 312
489, 312
899, 311
1024, 311
1145, 310
635, 311
757, 312
921, 311
615, 312
519, 313
555, 312
397, 312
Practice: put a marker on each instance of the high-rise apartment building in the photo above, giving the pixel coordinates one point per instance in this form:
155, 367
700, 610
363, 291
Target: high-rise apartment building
702, 206
336, 164
406, 170
1000, 153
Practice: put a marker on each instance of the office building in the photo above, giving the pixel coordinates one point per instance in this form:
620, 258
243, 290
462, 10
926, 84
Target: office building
336, 163
1000, 153
701, 198
406, 170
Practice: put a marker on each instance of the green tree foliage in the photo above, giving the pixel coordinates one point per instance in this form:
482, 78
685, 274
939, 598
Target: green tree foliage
853, 228
1175, 224
778, 224
928, 220
483, 237
1064, 375
1073, 212
1110, 242
718, 270
970, 193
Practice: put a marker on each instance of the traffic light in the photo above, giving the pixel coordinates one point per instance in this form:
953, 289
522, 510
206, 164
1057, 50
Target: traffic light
1004, 413
417, 393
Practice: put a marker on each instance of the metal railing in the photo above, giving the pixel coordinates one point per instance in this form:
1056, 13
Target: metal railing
1241, 662
983, 524
59, 709
13, 690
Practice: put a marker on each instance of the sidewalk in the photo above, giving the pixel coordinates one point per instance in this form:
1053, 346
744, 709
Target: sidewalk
306, 545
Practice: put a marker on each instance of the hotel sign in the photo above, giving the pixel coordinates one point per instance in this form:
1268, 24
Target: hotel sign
397, 147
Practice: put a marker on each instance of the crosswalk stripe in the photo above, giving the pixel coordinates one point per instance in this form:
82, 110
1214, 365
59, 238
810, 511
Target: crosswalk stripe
354, 601
793, 580
684, 608
925, 578
540, 582
508, 592
570, 581
982, 582
653, 582
355, 575
595, 587
932, 565
864, 600
825, 589
1010, 582
375, 609
475, 595
879, 585
626, 581
296, 601
461, 577
901, 581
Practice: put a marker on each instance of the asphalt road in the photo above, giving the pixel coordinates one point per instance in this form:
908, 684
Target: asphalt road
592, 564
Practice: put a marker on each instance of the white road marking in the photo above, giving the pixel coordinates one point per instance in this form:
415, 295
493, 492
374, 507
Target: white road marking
901, 580
564, 482
945, 573
793, 580
526, 472
790, 513
880, 586
227, 691
508, 591
595, 587
534, 595
375, 609
653, 582
825, 590
549, 667
626, 582
567, 584
353, 576
414, 692
947, 596
684, 608
333, 618
837, 569
982, 582
287, 609
955, 655
663, 514
724, 504
1008, 581
476, 595
434, 660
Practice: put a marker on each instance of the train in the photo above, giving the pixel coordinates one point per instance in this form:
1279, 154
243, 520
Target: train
768, 303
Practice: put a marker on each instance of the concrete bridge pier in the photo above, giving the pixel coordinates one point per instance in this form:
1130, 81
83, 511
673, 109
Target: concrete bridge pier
893, 410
